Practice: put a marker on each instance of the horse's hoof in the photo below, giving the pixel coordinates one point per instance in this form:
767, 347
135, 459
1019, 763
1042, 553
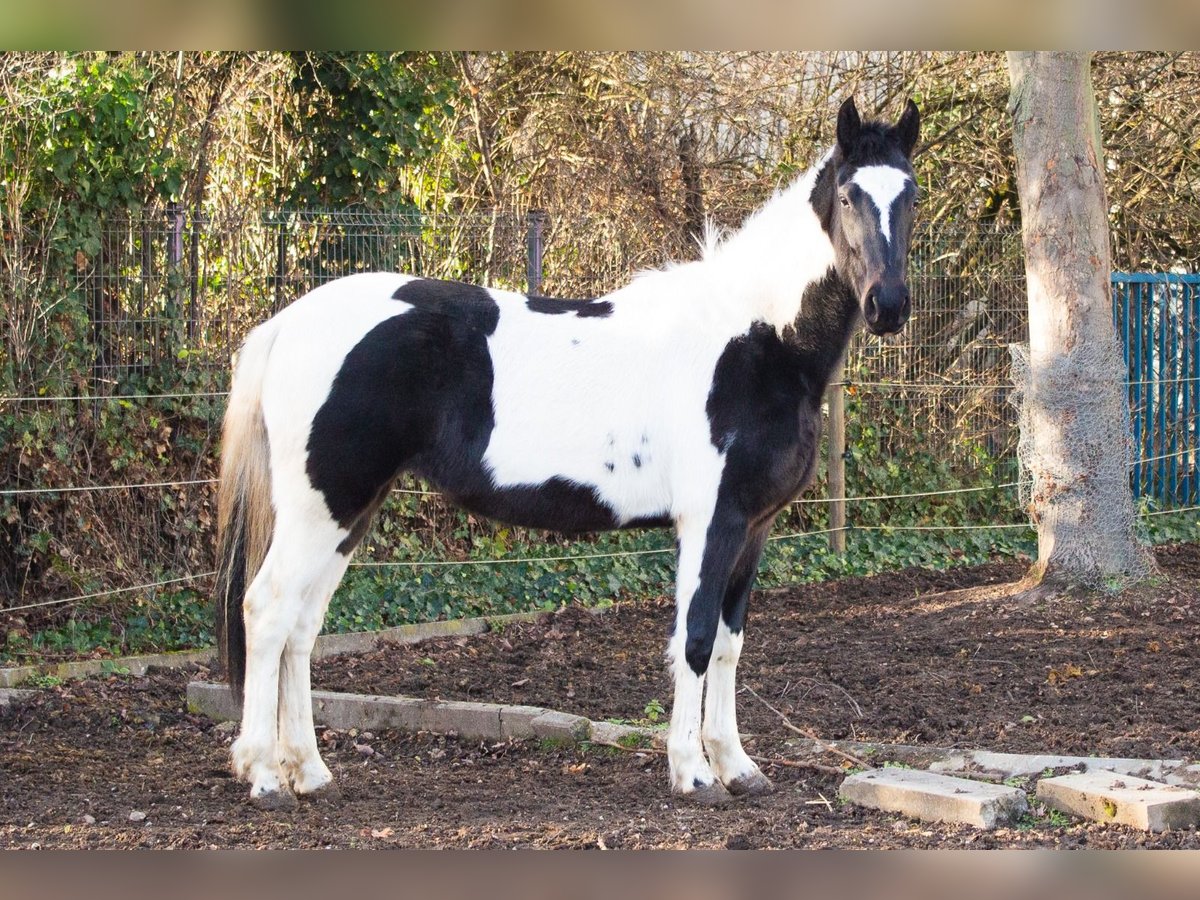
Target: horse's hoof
326, 793
752, 784
274, 801
708, 795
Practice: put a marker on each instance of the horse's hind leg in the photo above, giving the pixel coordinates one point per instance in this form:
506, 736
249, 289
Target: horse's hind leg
329, 554
301, 759
278, 603
270, 611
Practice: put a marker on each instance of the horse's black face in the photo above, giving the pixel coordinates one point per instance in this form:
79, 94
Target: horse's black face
873, 213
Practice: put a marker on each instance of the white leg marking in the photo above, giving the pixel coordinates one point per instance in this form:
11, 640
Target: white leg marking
685, 754
721, 738
269, 620
284, 608
299, 755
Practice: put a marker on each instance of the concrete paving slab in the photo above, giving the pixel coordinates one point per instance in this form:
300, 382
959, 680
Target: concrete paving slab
937, 798
993, 766
1122, 799
973, 763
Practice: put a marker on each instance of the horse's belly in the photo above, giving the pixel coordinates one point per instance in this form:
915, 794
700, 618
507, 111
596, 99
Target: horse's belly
555, 505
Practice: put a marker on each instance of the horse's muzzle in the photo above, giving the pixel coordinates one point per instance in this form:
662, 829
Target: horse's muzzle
886, 307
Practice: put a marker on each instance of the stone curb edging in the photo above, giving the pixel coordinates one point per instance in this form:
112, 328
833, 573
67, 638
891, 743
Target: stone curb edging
495, 721
327, 645
470, 720
927, 793
988, 765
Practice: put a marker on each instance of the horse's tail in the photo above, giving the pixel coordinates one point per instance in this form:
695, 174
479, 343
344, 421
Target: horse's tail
245, 515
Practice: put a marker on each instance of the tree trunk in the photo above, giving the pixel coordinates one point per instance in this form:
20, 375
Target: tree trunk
1075, 428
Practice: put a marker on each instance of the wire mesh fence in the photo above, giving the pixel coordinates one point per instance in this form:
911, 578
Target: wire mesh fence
170, 297
167, 289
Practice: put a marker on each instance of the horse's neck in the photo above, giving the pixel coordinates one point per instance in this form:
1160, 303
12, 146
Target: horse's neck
822, 331
769, 263
779, 269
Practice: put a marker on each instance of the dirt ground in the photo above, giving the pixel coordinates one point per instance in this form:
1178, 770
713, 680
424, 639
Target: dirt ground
943, 659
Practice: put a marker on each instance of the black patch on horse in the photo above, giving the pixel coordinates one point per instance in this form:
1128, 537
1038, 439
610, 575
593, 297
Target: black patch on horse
465, 302
416, 380
764, 413
584, 309
556, 504
415, 394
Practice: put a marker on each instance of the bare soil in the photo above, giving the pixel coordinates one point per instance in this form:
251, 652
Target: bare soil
946, 659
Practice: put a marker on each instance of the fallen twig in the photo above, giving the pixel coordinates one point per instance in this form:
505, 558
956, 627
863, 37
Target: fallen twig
804, 732
822, 802
837, 687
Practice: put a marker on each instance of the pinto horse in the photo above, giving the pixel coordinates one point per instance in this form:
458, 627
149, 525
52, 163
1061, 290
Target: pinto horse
689, 398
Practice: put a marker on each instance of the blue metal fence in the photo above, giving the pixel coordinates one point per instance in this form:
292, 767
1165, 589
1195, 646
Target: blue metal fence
1158, 318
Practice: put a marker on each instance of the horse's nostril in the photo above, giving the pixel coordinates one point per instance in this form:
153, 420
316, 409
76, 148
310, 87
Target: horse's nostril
906, 305
871, 306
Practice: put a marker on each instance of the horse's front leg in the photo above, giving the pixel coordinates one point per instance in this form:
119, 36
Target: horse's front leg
708, 550
733, 767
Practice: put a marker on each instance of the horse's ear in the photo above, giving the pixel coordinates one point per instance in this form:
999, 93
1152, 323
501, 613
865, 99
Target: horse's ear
848, 126
909, 127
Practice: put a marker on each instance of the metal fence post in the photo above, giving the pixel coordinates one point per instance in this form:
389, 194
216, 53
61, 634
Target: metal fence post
174, 252
280, 261
193, 313
535, 224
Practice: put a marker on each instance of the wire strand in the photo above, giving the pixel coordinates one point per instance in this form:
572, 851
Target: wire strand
429, 563
126, 590
102, 487
569, 557
900, 385
987, 487
1170, 512
423, 493
84, 398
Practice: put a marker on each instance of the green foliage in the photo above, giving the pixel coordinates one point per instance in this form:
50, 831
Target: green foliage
77, 144
654, 711
92, 140
634, 740
102, 143
1043, 817
364, 118
523, 571
43, 681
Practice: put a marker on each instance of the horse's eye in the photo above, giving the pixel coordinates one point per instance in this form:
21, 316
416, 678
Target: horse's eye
845, 201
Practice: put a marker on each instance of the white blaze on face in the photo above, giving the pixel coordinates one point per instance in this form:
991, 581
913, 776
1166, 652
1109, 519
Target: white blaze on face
883, 184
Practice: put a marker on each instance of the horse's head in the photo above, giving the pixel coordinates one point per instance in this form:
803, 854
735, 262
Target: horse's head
871, 214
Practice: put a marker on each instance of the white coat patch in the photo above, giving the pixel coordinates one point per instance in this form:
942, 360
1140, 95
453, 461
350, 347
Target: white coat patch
883, 184
582, 399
